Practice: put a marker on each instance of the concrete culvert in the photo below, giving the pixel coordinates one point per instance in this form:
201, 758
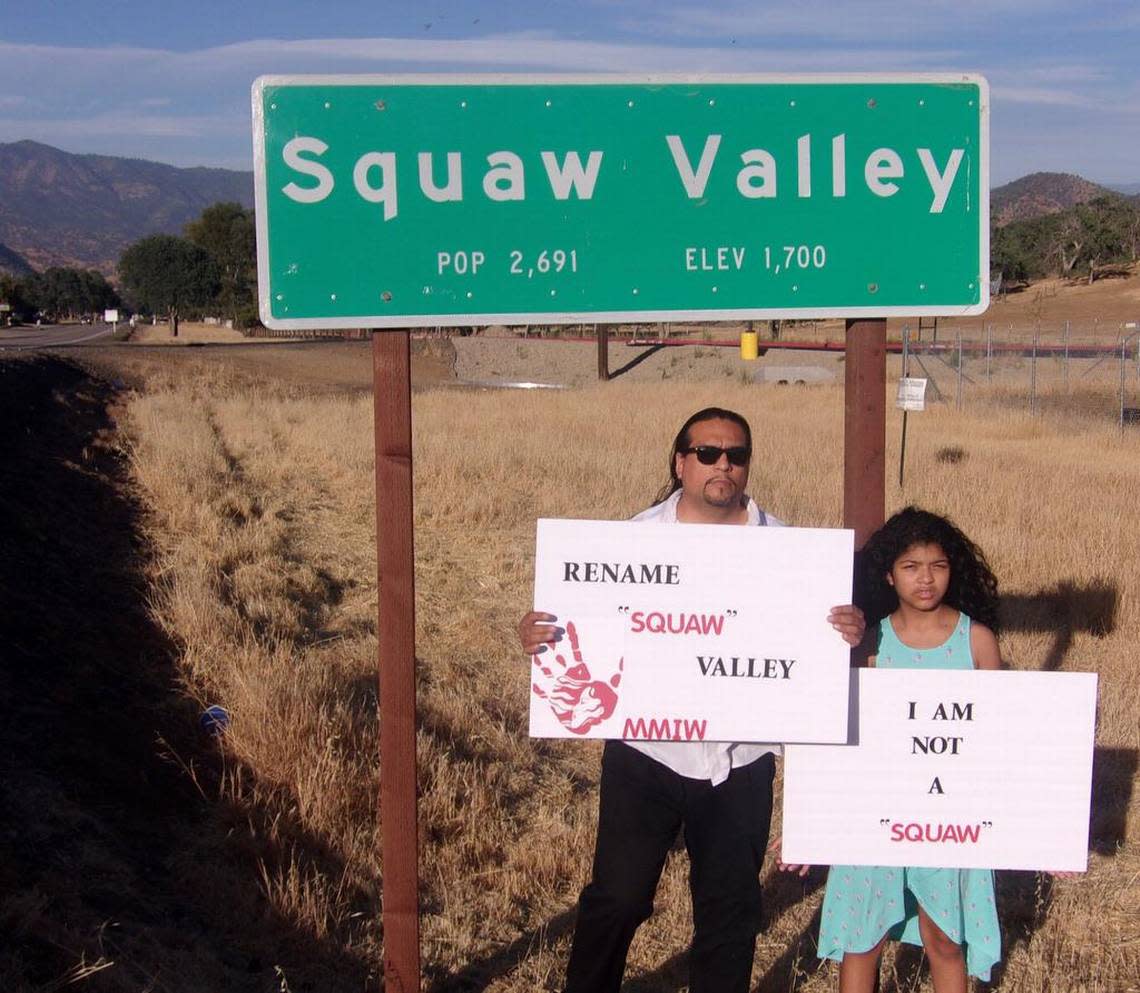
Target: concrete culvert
793, 374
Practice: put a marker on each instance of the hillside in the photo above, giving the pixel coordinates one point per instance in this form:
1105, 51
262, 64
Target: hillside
57, 208
13, 262
1041, 193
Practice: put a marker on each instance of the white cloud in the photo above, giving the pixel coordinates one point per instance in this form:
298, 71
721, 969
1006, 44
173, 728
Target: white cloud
875, 22
503, 52
1040, 95
541, 54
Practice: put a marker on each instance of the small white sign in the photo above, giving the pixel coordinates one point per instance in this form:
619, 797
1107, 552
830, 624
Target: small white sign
691, 632
912, 394
958, 769
111, 316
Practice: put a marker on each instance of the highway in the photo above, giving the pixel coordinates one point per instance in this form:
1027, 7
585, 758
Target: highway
31, 338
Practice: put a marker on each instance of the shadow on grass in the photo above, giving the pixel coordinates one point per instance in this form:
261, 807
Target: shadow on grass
782, 892
476, 976
636, 360
117, 867
1064, 611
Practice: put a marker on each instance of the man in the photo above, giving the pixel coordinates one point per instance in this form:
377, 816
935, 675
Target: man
720, 792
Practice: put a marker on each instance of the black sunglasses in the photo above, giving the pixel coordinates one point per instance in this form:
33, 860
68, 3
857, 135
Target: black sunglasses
710, 454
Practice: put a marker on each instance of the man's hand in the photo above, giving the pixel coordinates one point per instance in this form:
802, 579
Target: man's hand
576, 698
537, 630
848, 620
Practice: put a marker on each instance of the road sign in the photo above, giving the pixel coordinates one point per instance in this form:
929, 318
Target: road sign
407, 200
397, 201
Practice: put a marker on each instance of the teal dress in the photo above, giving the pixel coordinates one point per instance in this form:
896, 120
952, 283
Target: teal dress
862, 903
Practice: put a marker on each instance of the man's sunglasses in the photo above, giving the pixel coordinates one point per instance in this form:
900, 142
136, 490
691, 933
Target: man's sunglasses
710, 454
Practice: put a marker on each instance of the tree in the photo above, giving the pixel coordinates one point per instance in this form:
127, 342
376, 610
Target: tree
165, 274
14, 293
1090, 238
226, 231
68, 292
98, 294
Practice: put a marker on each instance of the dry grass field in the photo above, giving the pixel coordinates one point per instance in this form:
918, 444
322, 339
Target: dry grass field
256, 491
189, 333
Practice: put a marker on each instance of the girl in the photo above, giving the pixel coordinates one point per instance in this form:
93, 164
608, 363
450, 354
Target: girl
934, 599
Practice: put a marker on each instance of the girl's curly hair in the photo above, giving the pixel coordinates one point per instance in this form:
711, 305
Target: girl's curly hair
973, 586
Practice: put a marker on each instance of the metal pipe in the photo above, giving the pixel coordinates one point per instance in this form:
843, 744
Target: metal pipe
905, 373
958, 394
1123, 364
1066, 366
1033, 377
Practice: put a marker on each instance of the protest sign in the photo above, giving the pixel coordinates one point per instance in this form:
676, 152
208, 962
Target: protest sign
959, 769
693, 632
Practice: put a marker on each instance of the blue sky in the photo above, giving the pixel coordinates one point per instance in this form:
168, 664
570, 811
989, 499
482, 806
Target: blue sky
170, 81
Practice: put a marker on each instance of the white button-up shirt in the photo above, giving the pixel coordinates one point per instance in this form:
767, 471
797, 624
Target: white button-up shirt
712, 760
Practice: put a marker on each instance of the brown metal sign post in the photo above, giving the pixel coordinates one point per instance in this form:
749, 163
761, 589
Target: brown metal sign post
865, 428
396, 631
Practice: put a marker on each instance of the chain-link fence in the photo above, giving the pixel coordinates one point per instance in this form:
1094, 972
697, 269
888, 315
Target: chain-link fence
1088, 370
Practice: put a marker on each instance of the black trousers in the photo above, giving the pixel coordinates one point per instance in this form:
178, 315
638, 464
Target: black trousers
642, 806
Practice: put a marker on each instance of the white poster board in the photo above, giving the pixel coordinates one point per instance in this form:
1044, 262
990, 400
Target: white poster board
912, 393
691, 632
110, 316
965, 769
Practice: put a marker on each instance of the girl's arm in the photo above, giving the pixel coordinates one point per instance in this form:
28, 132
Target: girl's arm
984, 647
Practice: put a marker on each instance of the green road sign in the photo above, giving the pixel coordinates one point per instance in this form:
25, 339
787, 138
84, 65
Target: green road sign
410, 200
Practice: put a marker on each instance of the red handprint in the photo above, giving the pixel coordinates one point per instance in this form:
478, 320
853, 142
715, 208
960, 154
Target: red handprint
578, 701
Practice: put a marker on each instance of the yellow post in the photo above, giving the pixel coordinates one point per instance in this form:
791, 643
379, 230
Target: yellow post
749, 345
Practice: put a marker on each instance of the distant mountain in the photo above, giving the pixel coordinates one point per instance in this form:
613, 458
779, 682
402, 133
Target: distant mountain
1042, 193
1128, 189
57, 208
13, 262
